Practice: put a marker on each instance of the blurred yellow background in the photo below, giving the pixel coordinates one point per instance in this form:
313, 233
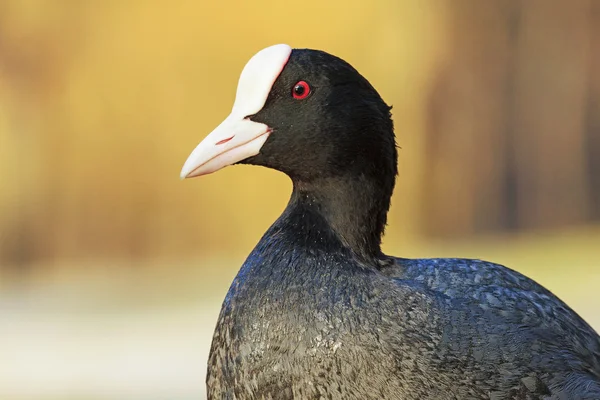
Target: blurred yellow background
112, 270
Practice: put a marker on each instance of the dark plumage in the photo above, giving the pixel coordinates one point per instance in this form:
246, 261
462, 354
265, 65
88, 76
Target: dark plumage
317, 311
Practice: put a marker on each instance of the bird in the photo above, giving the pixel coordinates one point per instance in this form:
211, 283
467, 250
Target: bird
319, 311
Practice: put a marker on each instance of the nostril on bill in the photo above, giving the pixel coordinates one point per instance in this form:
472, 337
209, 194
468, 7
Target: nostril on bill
223, 141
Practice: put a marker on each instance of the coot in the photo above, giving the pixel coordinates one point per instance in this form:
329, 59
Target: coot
317, 311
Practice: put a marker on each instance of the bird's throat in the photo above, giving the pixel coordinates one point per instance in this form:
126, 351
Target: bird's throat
354, 208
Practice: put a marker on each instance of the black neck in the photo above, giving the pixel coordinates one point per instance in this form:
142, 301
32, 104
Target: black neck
355, 208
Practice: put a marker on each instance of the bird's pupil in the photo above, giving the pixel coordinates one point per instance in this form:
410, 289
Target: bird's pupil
299, 89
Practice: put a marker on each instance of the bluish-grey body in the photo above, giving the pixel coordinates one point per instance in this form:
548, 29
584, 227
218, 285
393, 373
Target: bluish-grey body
301, 321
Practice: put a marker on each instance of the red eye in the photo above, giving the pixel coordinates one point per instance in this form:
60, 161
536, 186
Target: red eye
301, 90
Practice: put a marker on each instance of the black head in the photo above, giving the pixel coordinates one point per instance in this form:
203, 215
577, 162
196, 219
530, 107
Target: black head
306, 113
